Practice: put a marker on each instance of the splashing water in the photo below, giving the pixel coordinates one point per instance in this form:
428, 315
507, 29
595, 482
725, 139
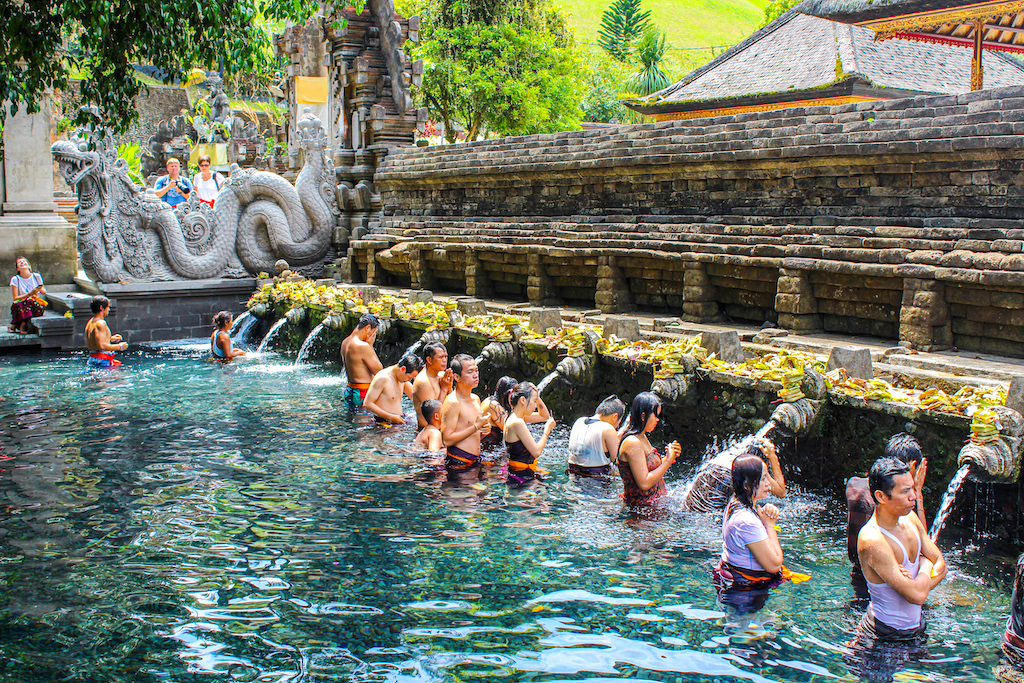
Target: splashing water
239, 321
308, 344
265, 344
546, 381
948, 498
479, 359
416, 346
734, 449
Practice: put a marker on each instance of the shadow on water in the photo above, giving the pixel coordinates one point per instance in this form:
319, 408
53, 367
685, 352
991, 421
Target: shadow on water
189, 521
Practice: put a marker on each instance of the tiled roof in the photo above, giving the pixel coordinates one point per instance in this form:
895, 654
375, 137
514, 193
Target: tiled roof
798, 52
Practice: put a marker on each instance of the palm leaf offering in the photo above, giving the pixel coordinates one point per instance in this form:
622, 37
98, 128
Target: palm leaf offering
984, 426
665, 355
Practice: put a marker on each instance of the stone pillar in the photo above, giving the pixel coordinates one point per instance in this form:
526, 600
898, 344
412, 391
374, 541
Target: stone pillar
477, 282
374, 273
613, 295
29, 224
420, 274
795, 301
540, 290
699, 295
924, 316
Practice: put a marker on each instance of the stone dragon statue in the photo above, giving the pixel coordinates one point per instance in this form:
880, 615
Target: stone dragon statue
127, 234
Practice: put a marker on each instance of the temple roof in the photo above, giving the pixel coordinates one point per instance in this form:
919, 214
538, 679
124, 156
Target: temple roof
808, 57
857, 11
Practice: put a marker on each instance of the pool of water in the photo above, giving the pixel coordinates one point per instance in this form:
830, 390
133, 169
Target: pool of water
179, 520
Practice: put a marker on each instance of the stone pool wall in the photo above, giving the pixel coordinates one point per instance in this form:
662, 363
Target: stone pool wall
898, 219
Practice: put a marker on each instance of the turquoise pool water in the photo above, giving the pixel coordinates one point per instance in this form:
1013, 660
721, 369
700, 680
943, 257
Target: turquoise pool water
184, 521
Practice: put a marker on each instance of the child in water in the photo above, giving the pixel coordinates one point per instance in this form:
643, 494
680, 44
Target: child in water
430, 436
523, 451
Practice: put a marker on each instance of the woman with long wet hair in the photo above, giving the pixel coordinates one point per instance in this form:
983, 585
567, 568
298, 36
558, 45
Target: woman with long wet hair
640, 465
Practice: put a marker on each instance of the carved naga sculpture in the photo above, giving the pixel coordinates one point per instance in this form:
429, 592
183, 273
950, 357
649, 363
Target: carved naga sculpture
125, 234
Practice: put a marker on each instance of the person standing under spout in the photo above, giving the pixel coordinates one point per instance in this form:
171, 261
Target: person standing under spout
461, 421
901, 565
712, 490
360, 360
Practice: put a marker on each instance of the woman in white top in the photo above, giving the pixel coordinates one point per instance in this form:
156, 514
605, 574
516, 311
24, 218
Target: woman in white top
207, 182
27, 291
751, 556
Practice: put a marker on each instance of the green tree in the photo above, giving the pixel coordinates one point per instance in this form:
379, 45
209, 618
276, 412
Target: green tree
650, 51
44, 41
775, 9
499, 66
604, 78
621, 24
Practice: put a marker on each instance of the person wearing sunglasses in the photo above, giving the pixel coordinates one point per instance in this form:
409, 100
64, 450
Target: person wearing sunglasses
640, 465
207, 182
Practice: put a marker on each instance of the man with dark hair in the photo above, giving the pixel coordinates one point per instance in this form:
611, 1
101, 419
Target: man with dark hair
384, 397
901, 565
860, 504
461, 421
435, 382
98, 338
360, 360
594, 441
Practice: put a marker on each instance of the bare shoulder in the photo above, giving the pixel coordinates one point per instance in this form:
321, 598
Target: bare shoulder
870, 538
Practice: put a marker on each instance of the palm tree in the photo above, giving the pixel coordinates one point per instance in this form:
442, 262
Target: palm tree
650, 51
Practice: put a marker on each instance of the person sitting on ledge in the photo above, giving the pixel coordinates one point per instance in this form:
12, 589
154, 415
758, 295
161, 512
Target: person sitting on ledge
435, 382
27, 293
360, 360
860, 504
384, 397
429, 437
713, 488
97, 336
173, 188
462, 421
523, 451
893, 628
221, 347
594, 440
641, 467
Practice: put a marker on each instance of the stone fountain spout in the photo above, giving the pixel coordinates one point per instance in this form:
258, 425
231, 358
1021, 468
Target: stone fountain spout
798, 417
999, 459
673, 390
501, 354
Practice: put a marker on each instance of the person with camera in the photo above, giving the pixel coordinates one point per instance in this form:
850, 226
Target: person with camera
173, 188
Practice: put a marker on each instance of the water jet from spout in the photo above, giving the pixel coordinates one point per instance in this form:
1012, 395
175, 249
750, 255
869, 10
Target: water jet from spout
243, 325
546, 381
948, 498
308, 344
271, 335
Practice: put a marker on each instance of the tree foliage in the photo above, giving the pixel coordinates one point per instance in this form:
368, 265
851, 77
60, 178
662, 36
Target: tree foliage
650, 52
621, 24
45, 41
775, 9
504, 66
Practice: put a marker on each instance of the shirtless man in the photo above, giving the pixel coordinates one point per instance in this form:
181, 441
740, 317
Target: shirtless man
461, 418
900, 562
384, 397
361, 362
435, 382
97, 336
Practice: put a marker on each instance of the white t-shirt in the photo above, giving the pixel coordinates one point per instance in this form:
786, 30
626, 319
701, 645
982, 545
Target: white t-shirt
586, 442
741, 528
26, 285
208, 189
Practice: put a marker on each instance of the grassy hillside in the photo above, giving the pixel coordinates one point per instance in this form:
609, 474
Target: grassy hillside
688, 23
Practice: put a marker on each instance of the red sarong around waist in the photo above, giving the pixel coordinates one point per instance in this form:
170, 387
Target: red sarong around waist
109, 357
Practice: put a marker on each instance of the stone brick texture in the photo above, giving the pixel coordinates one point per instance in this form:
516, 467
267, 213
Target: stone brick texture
895, 219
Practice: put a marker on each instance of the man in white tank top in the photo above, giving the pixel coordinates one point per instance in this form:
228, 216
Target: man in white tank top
901, 564
593, 442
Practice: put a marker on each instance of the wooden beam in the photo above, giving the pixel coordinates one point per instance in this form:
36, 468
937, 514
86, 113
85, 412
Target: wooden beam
977, 71
1010, 29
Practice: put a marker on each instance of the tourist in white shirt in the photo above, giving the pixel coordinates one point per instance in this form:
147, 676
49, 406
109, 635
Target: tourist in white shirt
207, 182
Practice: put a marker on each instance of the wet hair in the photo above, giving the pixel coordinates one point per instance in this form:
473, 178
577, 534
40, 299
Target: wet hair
903, 447
644, 405
411, 363
221, 319
747, 471
611, 406
431, 349
204, 157
522, 390
755, 450
458, 363
430, 408
98, 303
368, 320
882, 475
503, 391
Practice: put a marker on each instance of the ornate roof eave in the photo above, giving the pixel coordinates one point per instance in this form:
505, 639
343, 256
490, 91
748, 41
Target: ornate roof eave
987, 12
942, 39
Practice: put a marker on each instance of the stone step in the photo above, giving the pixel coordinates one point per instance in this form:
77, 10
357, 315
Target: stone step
918, 378
995, 368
